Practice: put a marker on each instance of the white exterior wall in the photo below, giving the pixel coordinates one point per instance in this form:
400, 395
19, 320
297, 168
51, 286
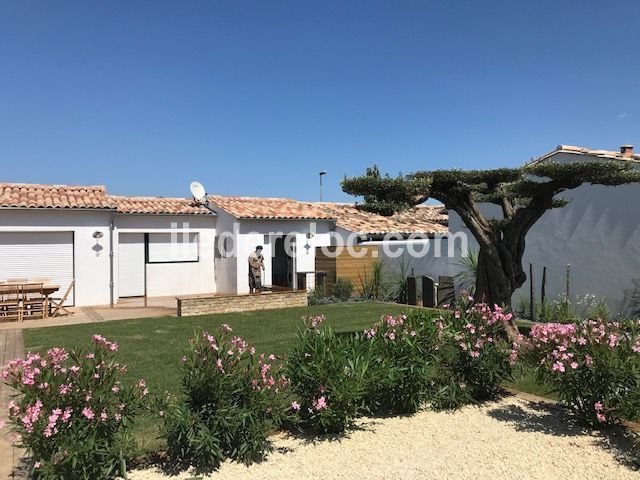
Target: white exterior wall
91, 270
185, 278
598, 234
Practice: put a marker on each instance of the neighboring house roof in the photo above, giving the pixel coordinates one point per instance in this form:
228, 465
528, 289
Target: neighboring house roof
157, 205
92, 197
269, 208
424, 219
604, 154
23, 195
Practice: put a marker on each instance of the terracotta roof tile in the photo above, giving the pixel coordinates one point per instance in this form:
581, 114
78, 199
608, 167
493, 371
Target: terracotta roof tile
22, 195
157, 205
424, 219
269, 208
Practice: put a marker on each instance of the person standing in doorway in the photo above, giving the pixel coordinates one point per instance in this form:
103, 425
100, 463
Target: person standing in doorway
256, 267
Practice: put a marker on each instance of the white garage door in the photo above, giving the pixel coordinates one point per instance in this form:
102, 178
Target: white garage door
38, 254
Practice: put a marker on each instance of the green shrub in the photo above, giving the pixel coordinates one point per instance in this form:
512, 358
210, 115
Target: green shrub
593, 366
343, 289
73, 412
317, 296
232, 400
403, 350
329, 374
545, 312
474, 357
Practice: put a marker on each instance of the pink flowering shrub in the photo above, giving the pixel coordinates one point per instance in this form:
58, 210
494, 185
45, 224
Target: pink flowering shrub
403, 350
72, 411
233, 398
592, 365
329, 375
474, 357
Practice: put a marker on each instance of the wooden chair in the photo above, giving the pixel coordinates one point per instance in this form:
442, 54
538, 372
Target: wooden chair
10, 306
33, 301
57, 304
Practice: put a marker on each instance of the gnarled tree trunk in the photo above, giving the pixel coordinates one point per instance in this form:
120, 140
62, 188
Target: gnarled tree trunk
495, 282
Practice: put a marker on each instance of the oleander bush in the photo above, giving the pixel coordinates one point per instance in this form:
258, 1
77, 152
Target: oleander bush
330, 375
593, 366
233, 398
403, 350
474, 357
72, 412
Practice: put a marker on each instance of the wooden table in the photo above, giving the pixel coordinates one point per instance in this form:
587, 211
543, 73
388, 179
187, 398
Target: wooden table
25, 287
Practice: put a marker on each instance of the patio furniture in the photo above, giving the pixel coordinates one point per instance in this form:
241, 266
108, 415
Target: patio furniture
10, 303
33, 301
57, 304
20, 300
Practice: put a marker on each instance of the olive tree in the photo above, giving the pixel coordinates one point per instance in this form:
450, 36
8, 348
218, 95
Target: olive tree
523, 195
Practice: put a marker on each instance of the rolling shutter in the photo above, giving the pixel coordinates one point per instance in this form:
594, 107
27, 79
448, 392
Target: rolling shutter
38, 254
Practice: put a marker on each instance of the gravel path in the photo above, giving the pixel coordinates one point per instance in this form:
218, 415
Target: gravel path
510, 439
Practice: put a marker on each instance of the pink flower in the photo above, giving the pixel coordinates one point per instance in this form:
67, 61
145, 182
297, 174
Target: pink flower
103, 416
66, 415
295, 406
601, 418
320, 403
225, 328
588, 360
219, 365
597, 406
88, 413
574, 365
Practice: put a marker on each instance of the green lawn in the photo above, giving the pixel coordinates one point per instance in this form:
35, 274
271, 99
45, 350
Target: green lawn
152, 347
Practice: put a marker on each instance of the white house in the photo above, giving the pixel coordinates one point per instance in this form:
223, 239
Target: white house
290, 231
597, 235
113, 247
116, 247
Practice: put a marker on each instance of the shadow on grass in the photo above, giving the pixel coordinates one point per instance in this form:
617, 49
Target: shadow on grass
555, 420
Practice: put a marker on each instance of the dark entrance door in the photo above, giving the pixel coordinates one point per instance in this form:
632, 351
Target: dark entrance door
281, 265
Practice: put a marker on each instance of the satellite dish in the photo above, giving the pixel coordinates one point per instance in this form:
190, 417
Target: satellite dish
198, 191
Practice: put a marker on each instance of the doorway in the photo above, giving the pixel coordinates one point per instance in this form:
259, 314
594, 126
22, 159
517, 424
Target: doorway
282, 264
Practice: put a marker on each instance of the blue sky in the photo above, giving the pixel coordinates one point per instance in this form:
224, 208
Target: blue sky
254, 98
